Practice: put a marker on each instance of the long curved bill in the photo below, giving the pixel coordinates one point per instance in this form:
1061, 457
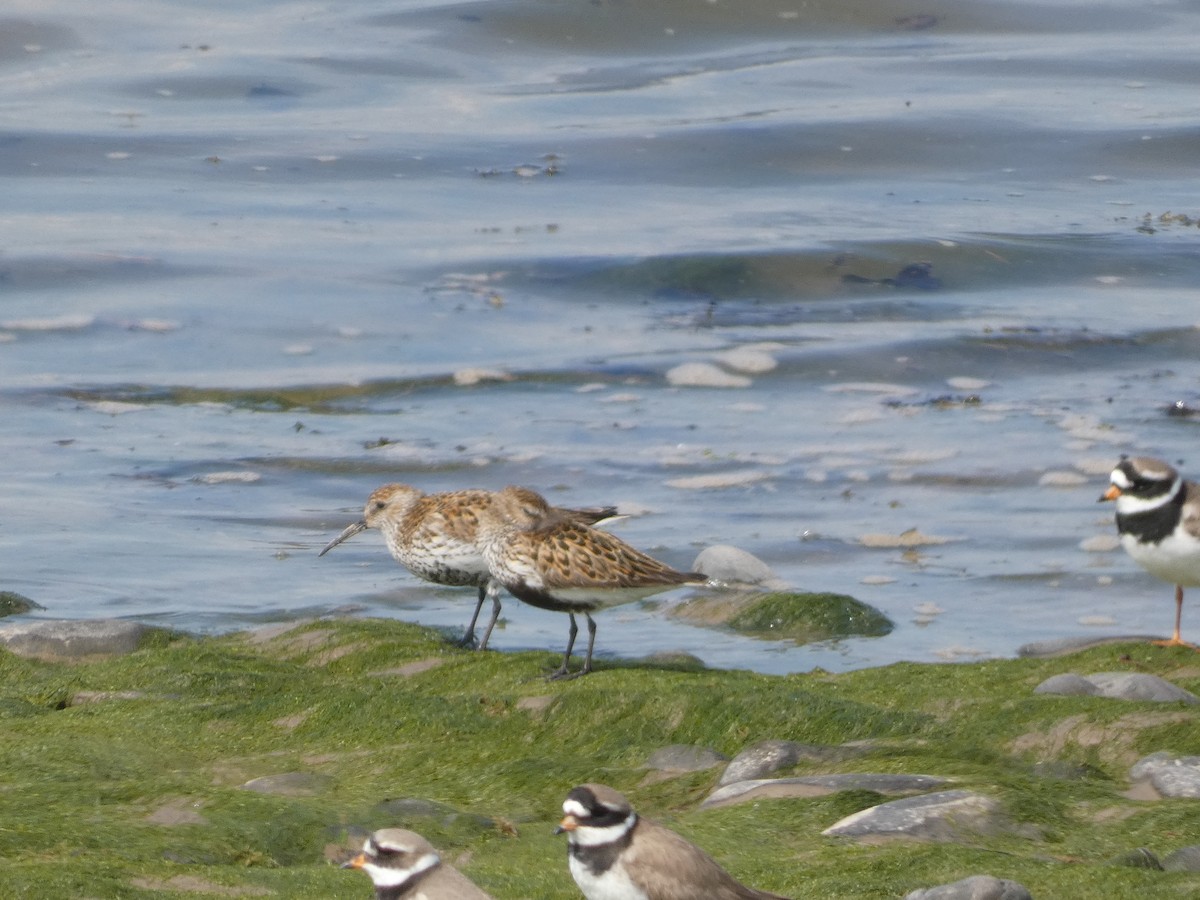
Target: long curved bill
351, 531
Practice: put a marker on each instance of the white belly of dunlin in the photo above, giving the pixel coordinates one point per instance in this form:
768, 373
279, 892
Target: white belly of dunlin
449, 567
1175, 559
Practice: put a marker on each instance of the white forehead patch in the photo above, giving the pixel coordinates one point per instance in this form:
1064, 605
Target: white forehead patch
1120, 479
576, 809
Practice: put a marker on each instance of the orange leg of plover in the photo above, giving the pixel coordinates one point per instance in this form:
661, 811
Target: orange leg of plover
1176, 638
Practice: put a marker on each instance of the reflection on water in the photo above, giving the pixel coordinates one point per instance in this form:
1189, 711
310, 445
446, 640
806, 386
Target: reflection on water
260, 260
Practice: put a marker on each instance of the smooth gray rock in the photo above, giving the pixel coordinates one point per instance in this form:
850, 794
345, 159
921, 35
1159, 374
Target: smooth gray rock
685, 758
1139, 858
1068, 684
977, 887
1170, 775
767, 757
944, 816
72, 639
1066, 646
289, 784
820, 785
1139, 686
1117, 686
734, 566
1185, 859
1144, 768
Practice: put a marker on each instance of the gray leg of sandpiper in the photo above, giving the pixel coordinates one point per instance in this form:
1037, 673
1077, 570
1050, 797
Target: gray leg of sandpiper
493, 590
587, 663
468, 639
563, 671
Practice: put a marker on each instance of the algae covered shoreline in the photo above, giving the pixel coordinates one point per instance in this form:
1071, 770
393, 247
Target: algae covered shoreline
249, 764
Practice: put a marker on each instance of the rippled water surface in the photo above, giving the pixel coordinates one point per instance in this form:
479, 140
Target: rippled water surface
260, 258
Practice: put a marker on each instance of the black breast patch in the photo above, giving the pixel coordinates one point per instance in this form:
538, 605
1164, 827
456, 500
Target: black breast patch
1153, 525
600, 859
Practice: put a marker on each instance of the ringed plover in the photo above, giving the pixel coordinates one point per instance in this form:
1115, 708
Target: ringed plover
615, 854
1158, 518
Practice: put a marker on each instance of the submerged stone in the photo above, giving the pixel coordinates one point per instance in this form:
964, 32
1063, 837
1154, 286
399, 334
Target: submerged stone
701, 374
804, 617
772, 611
785, 615
13, 604
905, 540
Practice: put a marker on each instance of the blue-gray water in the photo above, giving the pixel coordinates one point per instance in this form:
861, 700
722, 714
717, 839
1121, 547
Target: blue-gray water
260, 258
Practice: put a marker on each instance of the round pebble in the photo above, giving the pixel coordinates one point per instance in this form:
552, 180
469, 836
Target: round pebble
1100, 543
1062, 479
964, 383
698, 374
743, 359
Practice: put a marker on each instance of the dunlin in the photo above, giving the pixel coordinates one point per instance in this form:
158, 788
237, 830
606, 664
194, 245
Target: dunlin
404, 866
434, 536
557, 562
615, 854
1158, 518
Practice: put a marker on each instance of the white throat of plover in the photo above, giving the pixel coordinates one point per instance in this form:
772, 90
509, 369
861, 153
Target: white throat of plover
585, 835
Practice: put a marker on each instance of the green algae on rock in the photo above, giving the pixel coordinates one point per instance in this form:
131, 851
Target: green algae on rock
13, 604
785, 615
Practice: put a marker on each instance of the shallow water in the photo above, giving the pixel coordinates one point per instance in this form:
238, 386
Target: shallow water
249, 249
